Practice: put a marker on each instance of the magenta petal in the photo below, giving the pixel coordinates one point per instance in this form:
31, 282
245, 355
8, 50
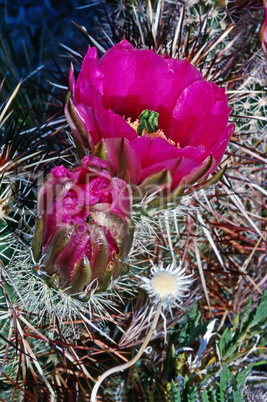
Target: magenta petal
140, 79
181, 171
72, 82
156, 154
218, 149
123, 129
55, 187
263, 32
91, 71
92, 160
122, 157
60, 172
71, 124
96, 124
200, 115
78, 246
121, 198
106, 125
177, 167
87, 94
79, 126
123, 44
153, 151
53, 218
192, 170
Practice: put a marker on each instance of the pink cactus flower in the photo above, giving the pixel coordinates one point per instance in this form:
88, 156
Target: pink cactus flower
84, 232
185, 131
263, 31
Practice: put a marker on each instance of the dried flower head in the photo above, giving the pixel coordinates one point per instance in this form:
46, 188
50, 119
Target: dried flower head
167, 286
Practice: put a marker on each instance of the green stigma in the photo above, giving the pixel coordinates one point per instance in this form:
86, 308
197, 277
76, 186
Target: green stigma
148, 120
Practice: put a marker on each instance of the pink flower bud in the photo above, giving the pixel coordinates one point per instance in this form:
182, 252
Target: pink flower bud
84, 231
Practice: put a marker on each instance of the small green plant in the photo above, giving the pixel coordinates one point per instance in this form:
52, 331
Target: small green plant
224, 361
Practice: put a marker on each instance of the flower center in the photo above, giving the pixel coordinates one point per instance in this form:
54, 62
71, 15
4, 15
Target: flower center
164, 285
147, 124
148, 120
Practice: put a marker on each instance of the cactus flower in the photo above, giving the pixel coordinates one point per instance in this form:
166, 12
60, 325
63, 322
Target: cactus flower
155, 119
84, 231
263, 30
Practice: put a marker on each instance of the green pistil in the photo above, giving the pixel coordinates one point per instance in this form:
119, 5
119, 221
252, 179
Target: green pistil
148, 120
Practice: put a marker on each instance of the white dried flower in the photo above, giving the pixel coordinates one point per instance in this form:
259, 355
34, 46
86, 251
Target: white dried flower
167, 286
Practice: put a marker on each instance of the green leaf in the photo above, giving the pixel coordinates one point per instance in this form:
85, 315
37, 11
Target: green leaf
173, 393
241, 377
237, 396
236, 321
205, 397
225, 378
225, 341
245, 314
261, 310
189, 393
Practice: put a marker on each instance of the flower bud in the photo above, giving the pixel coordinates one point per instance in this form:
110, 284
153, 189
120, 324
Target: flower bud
84, 231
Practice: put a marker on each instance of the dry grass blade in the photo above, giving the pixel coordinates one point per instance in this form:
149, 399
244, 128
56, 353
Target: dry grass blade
178, 32
10, 100
95, 42
212, 243
201, 273
207, 48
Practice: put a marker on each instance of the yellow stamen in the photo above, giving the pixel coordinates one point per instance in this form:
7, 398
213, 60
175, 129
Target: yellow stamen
158, 133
